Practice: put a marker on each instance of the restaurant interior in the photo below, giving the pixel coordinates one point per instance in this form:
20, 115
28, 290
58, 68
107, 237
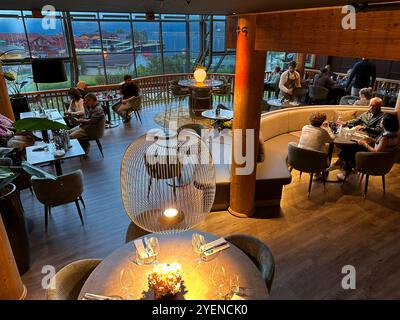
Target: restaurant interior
199, 150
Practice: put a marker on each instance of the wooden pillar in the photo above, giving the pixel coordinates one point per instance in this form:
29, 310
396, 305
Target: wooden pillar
11, 286
249, 78
301, 63
397, 108
5, 105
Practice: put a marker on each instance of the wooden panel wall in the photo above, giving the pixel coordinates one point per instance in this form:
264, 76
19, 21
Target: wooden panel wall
319, 31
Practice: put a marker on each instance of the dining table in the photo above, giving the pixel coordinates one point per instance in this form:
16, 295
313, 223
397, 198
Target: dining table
41, 153
197, 282
106, 99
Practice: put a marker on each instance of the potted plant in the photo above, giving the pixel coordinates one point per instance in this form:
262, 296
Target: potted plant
19, 102
11, 208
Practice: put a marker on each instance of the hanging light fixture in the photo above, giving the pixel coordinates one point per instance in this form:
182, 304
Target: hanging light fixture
200, 74
167, 181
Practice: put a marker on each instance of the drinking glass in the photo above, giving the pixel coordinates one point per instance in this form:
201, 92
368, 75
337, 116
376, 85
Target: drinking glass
153, 248
127, 280
198, 243
219, 280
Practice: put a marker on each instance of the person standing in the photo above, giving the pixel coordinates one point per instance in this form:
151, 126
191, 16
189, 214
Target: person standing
289, 80
128, 90
364, 75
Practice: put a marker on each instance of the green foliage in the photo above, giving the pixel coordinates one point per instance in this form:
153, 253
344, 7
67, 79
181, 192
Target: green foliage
36, 171
38, 124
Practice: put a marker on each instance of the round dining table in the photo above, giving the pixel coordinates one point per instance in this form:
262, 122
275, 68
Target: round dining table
207, 84
197, 281
107, 99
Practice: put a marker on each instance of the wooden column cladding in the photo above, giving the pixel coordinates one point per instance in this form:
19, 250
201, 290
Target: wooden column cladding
11, 286
249, 77
301, 63
5, 103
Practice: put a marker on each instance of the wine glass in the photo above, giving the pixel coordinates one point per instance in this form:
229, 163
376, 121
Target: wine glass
127, 280
153, 247
219, 280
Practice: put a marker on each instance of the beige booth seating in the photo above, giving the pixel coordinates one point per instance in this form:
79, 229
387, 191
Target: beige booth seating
277, 129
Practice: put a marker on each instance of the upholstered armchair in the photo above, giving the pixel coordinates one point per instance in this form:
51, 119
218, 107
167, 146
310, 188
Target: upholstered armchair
70, 279
65, 189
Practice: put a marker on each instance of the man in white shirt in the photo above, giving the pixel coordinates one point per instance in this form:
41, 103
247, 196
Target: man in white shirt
289, 80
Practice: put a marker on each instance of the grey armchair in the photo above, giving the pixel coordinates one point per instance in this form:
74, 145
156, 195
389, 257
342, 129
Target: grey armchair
70, 279
95, 132
374, 164
259, 253
305, 160
65, 189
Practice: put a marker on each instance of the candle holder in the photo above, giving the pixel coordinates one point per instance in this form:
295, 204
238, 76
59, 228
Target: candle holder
165, 280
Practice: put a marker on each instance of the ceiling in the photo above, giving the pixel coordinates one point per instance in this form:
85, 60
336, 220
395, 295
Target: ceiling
220, 7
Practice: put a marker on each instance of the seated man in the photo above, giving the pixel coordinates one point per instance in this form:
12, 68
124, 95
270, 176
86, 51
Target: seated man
369, 122
94, 116
128, 90
322, 79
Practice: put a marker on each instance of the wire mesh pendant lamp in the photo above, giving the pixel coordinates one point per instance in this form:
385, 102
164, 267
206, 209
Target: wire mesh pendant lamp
167, 181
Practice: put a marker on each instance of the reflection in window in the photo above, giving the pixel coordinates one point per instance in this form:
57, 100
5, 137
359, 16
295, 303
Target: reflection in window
146, 36
116, 36
219, 36
86, 37
46, 43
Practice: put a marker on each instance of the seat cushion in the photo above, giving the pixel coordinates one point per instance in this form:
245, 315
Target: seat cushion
274, 166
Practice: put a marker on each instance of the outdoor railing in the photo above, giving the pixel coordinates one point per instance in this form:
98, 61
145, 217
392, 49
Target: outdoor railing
154, 89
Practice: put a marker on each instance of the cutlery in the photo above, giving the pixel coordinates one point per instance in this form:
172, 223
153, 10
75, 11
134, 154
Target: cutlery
92, 296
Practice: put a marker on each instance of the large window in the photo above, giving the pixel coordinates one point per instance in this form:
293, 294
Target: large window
110, 45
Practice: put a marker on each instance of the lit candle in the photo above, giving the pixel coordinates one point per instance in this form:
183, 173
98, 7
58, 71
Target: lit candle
171, 216
171, 213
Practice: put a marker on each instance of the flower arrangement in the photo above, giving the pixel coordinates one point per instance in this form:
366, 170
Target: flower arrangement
165, 279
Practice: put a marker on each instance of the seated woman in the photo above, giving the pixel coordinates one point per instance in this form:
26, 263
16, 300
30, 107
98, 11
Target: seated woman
76, 108
317, 134
387, 141
365, 95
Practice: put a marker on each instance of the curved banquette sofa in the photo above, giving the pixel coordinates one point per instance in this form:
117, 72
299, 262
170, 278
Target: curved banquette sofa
277, 129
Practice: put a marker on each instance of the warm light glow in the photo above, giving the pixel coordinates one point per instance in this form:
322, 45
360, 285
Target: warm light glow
171, 213
105, 54
165, 279
200, 75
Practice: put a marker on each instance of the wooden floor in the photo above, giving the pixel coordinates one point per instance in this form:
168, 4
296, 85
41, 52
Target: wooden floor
311, 239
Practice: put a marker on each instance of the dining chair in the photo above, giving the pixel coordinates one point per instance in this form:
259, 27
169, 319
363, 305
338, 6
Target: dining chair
65, 189
223, 91
259, 253
135, 104
348, 100
199, 95
309, 161
71, 278
179, 94
95, 132
374, 164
